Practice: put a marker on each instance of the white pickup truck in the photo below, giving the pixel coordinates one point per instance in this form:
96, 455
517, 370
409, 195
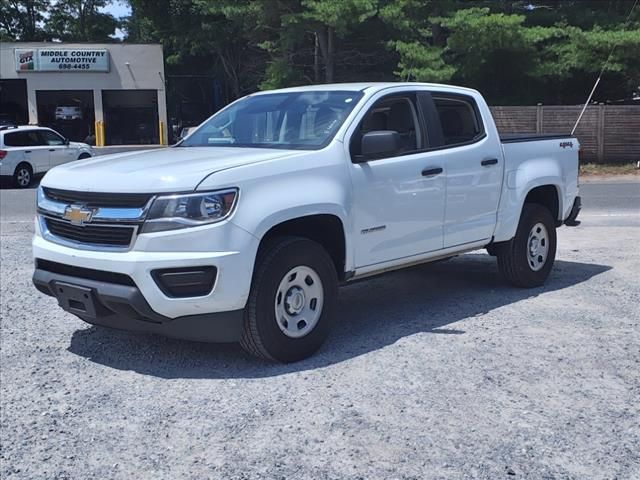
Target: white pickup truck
244, 230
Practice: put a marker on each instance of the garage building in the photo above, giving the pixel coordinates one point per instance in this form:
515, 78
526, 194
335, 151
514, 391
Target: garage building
106, 94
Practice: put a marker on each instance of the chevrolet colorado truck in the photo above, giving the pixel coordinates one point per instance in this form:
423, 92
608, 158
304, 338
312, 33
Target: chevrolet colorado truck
244, 230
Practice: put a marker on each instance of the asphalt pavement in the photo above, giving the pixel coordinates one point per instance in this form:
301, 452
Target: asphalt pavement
437, 371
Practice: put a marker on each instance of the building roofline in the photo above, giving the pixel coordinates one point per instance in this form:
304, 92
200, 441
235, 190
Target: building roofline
81, 43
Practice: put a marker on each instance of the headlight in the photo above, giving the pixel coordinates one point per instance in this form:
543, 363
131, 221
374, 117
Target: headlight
171, 212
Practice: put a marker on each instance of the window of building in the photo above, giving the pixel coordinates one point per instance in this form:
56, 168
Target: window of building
13, 102
131, 117
69, 112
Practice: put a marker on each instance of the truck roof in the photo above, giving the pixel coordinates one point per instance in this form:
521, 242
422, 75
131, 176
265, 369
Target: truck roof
360, 86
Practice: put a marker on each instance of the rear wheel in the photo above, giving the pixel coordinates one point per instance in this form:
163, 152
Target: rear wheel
527, 259
293, 300
23, 175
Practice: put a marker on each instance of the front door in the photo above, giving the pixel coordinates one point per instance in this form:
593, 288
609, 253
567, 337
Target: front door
398, 201
59, 151
28, 142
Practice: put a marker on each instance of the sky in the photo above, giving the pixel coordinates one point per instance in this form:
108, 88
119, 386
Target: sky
118, 8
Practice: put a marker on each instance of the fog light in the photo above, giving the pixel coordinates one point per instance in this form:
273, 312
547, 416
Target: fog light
185, 282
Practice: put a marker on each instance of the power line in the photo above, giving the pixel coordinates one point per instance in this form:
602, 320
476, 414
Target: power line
606, 63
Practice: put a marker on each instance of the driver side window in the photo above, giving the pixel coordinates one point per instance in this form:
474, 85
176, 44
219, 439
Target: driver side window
50, 138
396, 113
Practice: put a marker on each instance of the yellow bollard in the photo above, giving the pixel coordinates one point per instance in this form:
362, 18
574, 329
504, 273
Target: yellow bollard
102, 139
163, 140
99, 133
96, 132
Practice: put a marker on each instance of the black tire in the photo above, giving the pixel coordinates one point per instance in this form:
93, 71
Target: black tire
514, 261
23, 176
262, 336
83, 156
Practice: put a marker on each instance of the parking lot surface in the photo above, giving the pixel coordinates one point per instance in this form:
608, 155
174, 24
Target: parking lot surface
438, 371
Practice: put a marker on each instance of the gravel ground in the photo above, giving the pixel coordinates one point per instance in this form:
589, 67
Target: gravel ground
439, 371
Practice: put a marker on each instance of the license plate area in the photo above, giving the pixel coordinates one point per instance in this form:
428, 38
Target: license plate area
76, 299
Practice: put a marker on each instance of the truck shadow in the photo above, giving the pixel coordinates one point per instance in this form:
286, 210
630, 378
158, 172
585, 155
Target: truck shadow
7, 183
373, 314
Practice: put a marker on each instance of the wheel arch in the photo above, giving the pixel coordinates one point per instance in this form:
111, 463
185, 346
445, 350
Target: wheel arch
546, 191
546, 195
324, 228
23, 162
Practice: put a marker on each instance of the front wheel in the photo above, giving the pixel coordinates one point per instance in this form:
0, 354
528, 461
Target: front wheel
293, 300
527, 259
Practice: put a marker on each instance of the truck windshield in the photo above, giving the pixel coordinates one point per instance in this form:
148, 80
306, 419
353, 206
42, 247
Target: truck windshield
295, 120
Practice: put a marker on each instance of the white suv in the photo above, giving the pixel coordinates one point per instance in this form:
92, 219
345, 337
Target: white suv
27, 151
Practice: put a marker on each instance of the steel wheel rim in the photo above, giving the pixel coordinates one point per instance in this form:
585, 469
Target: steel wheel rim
298, 302
537, 247
24, 177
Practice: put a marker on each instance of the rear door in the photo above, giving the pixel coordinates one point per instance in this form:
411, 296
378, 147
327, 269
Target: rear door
59, 151
398, 201
473, 164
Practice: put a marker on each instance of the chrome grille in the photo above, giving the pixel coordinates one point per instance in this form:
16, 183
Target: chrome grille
96, 234
98, 199
113, 225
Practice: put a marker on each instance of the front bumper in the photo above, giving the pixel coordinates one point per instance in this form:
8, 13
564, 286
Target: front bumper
228, 248
122, 306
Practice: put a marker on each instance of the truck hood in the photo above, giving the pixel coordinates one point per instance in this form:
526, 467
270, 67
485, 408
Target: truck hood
154, 171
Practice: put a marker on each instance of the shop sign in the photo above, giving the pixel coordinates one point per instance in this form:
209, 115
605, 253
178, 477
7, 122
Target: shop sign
61, 60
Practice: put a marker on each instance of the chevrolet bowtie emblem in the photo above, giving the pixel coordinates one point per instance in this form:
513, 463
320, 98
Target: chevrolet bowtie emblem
77, 214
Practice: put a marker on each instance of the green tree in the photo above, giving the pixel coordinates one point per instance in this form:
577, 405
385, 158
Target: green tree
22, 20
418, 40
568, 67
330, 21
203, 38
511, 59
513, 51
81, 21
323, 41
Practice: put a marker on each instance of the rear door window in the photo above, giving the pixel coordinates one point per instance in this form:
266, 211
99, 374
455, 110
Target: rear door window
459, 119
27, 138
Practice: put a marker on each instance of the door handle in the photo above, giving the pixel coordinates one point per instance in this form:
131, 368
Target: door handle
491, 161
52, 149
27, 151
427, 172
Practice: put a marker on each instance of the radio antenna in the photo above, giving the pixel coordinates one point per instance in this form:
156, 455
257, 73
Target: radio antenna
595, 85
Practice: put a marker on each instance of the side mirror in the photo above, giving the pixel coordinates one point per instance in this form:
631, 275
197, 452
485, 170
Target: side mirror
66, 142
380, 144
